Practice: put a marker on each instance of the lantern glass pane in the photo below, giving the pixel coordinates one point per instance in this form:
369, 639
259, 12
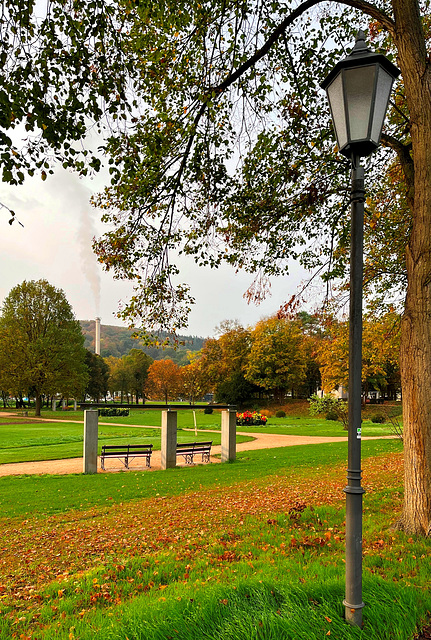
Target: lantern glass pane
359, 89
336, 101
383, 91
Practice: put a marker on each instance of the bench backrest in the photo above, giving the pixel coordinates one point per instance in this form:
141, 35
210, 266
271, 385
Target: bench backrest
125, 448
193, 445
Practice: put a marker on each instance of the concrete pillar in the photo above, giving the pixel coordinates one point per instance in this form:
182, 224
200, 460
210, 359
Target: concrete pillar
169, 439
228, 435
91, 428
54, 405
63, 405
75, 405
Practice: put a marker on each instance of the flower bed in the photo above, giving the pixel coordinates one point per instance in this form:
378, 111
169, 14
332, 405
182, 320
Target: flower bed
250, 419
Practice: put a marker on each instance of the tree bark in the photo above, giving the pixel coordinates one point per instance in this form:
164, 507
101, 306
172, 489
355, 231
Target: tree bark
416, 324
38, 405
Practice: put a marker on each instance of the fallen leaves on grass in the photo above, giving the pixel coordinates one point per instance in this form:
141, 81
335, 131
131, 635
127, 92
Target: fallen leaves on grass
38, 551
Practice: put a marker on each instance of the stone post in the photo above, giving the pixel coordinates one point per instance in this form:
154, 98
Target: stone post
169, 440
228, 435
91, 428
75, 405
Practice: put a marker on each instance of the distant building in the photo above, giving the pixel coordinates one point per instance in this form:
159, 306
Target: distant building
339, 392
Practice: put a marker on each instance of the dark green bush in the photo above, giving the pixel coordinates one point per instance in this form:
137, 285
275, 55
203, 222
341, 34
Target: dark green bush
208, 410
111, 412
331, 415
377, 418
280, 414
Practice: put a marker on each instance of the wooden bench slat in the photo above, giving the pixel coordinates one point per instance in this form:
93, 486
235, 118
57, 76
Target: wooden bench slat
126, 453
189, 449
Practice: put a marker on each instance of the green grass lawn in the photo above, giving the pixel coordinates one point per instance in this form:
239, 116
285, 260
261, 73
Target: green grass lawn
142, 417
29, 495
305, 426
290, 425
23, 442
252, 550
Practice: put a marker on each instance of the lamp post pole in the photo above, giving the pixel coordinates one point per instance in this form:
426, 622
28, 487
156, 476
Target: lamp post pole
353, 601
358, 90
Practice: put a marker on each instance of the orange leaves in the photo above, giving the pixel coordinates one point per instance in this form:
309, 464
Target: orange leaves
129, 546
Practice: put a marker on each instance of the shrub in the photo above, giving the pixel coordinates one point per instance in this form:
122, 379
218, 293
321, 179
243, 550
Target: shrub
114, 412
331, 415
208, 410
329, 405
280, 414
267, 413
378, 418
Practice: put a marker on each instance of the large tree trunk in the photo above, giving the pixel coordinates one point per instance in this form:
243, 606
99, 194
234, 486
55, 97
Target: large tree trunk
416, 325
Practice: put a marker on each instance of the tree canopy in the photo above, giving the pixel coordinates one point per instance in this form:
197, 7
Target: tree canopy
234, 159
41, 344
56, 82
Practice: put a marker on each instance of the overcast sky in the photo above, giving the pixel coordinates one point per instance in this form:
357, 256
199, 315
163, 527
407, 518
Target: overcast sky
55, 244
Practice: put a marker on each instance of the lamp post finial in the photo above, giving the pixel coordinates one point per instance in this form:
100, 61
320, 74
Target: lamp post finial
361, 43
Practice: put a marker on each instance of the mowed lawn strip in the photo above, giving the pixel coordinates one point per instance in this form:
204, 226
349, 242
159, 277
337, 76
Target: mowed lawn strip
28, 442
247, 550
289, 425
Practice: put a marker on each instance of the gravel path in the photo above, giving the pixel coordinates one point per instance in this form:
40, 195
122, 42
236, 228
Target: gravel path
75, 465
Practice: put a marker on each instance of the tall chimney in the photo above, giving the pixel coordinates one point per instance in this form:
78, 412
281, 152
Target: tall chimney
97, 338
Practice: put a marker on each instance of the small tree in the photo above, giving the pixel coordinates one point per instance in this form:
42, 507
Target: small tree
138, 364
194, 383
164, 380
276, 360
98, 372
120, 377
41, 343
329, 404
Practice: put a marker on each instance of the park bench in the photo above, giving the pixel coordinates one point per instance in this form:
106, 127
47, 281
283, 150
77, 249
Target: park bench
126, 453
189, 449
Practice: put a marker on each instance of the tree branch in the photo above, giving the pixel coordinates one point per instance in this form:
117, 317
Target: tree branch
366, 7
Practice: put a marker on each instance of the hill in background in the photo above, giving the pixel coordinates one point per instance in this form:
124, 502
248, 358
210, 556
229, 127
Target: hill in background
117, 341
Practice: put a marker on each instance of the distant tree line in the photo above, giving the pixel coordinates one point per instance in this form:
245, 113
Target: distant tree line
119, 341
42, 356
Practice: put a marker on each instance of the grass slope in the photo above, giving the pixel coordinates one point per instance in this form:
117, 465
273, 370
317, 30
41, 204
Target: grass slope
246, 551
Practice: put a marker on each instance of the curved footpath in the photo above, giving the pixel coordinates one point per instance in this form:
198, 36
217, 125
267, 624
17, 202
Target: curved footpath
75, 465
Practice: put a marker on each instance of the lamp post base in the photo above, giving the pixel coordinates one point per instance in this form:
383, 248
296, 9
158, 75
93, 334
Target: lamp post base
353, 613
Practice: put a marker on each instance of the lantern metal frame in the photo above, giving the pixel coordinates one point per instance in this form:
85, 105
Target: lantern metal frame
382, 74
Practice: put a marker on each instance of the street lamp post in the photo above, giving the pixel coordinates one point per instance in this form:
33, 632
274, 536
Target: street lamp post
358, 90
